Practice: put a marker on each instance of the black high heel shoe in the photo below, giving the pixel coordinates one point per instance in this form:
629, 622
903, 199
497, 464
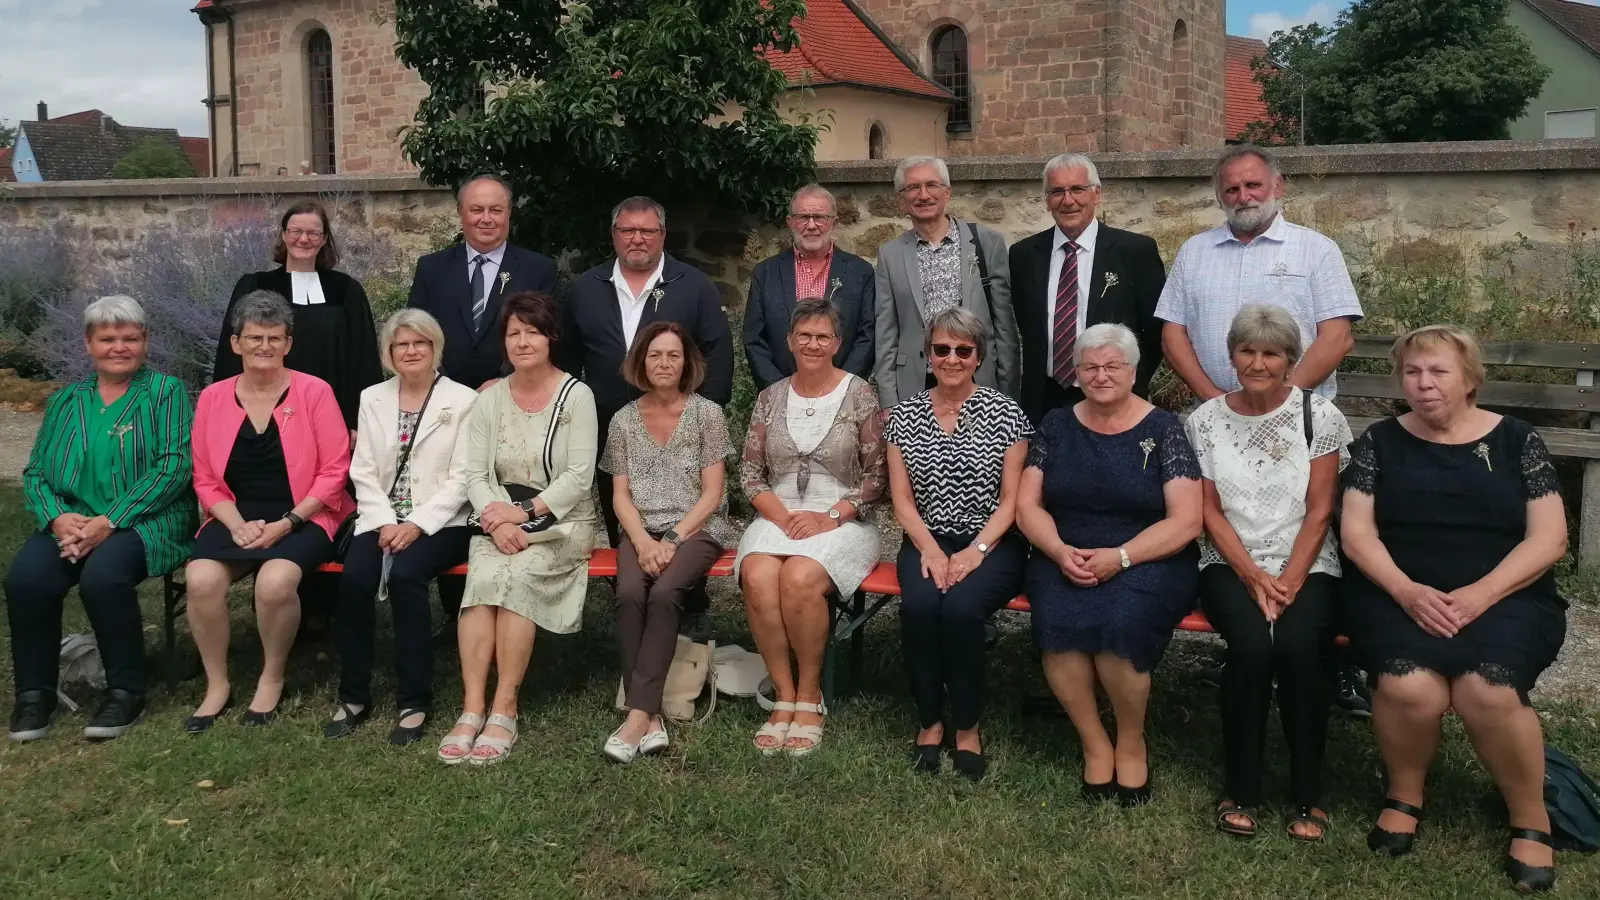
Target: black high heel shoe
197, 724
1525, 878
1097, 793
1395, 843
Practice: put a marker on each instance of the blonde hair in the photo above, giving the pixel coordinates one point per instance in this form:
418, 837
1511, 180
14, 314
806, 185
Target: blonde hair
1432, 337
417, 320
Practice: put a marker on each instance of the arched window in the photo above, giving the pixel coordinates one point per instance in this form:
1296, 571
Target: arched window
319, 81
951, 71
875, 141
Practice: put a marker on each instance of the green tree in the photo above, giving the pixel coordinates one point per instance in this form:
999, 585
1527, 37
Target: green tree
1399, 71
8, 134
152, 158
591, 102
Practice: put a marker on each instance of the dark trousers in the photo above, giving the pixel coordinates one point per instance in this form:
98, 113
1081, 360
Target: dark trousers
647, 611
942, 633
108, 584
1292, 652
356, 625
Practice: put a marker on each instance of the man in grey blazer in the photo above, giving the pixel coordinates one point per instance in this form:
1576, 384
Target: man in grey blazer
940, 263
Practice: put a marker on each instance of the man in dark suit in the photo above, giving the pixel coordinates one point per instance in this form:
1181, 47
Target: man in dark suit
813, 268
461, 286
1075, 275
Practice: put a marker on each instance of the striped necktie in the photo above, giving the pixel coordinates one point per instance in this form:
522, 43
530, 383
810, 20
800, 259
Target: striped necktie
480, 297
1064, 330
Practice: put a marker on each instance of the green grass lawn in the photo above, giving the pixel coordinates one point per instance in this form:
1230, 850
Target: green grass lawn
285, 813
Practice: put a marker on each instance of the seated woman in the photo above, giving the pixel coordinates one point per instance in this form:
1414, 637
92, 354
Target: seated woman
530, 453
1453, 519
1111, 500
955, 458
271, 455
411, 496
668, 452
813, 462
108, 486
1269, 565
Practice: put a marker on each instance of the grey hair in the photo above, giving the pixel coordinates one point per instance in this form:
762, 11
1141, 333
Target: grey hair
116, 309
1107, 334
1240, 151
511, 196
264, 308
417, 320
640, 204
911, 162
1267, 327
958, 323
815, 308
815, 190
1071, 161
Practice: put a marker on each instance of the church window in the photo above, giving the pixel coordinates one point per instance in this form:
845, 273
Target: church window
319, 59
951, 71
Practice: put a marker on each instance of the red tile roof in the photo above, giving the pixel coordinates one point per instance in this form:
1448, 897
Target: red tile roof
1579, 20
1243, 103
199, 152
838, 46
5, 165
87, 117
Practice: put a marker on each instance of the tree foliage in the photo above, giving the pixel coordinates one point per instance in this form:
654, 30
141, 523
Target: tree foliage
1399, 71
591, 102
151, 158
8, 134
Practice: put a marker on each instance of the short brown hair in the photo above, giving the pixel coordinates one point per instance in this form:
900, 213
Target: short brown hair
533, 308
328, 256
1432, 337
694, 363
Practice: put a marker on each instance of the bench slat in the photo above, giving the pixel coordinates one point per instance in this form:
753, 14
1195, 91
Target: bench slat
1497, 353
1494, 393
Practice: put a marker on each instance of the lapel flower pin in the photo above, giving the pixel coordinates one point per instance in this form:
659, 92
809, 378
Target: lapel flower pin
833, 286
1482, 452
1280, 269
288, 411
504, 277
444, 415
1148, 445
1111, 281
655, 297
120, 432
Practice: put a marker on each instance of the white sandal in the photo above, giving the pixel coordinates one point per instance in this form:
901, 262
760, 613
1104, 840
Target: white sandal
462, 742
500, 746
778, 731
812, 733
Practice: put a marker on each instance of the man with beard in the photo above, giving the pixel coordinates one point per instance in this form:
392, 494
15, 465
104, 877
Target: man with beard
1255, 257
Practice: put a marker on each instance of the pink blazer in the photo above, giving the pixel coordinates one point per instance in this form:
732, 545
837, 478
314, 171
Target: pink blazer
316, 446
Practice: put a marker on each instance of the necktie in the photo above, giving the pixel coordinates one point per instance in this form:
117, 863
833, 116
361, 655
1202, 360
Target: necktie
1064, 330
480, 297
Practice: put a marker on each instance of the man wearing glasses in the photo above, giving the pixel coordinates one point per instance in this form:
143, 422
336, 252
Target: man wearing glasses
940, 263
813, 268
1078, 273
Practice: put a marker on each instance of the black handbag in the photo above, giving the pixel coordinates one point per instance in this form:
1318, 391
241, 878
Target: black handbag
347, 528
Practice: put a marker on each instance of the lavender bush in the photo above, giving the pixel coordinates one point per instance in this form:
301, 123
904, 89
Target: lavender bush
36, 274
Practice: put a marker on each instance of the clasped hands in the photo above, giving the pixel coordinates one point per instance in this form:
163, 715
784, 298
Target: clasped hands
801, 525
655, 555
1087, 568
948, 571
1440, 613
259, 534
500, 521
78, 534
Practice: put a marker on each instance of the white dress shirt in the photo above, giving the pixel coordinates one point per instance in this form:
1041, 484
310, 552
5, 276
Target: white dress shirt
1058, 259
306, 289
491, 268
632, 306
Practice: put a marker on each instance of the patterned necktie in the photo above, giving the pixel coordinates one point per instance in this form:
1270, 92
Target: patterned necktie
480, 297
1064, 330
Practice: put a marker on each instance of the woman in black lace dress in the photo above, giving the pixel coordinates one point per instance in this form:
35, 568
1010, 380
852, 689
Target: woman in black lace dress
1453, 520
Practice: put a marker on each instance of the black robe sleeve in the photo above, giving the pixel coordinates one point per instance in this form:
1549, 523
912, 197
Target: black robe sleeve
361, 368
226, 363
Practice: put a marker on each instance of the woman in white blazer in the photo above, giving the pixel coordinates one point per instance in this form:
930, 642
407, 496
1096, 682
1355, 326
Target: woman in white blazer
411, 493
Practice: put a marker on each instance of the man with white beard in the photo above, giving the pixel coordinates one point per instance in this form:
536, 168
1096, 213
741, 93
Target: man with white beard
1255, 257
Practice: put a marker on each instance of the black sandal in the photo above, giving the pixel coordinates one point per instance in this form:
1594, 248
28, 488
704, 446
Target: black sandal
1395, 843
1226, 808
1525, 878
338, 728
1306, 815
402, 735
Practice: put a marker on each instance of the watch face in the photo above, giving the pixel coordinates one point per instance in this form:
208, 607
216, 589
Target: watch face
833, 514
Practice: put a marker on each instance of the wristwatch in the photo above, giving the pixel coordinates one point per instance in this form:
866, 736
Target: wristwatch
982, 547
671, 537
294, 521
1123, 552
834, 514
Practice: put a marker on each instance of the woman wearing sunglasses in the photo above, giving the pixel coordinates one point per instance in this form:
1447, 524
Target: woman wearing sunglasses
955, 455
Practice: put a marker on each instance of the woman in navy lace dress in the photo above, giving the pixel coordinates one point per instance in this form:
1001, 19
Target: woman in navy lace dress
1111, 500
1453, 519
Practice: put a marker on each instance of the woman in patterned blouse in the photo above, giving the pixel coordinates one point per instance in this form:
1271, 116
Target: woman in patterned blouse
668, 454
1453, 520
955, 455
1269, 565
411, 499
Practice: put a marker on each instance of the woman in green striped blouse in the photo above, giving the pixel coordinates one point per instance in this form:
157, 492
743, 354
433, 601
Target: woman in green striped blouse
108, 484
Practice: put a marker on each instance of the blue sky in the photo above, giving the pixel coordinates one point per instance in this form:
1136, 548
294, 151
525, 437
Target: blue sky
1260, 18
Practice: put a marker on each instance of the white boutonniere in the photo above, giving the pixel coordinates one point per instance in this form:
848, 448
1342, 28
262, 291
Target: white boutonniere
444, 415
1111, 281
1482, 452
1280, 269
655, 297
565, 417
288, 411
120, 432
1148, 445
833, 287
504, 278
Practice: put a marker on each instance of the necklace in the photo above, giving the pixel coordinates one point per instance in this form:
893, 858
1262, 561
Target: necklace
811, 402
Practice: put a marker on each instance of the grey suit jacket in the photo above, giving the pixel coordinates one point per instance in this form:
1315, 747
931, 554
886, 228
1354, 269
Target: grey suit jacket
901, 367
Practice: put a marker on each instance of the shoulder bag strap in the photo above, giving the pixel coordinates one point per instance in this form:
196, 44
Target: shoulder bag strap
983, 271
1305, 412
557, 406
405, 452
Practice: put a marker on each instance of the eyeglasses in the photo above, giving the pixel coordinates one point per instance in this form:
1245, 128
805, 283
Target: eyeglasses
256, 341
638, 232
1078, 192
931, 187
807, 337
1108, 368
808, 218
295, 234
408, 346
962, 351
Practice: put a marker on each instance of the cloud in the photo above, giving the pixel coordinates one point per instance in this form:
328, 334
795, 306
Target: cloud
1263, 25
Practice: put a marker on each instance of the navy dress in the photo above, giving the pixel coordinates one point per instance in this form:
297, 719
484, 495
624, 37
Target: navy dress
1102, 490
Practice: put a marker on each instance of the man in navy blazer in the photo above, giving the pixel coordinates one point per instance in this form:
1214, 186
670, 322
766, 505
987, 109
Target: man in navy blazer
461, 286
813, 268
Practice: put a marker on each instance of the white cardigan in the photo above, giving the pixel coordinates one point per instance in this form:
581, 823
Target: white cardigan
438, 473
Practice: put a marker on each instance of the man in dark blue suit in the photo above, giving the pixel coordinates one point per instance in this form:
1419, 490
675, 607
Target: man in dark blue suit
814, 267
461, 286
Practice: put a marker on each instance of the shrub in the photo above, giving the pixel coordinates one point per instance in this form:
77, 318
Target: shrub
151, 158
36, 273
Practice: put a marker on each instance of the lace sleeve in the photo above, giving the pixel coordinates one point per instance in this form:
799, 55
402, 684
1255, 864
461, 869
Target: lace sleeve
1177, 454
1039, 447
753, 462
1538, 473
872, 455
1330, 432
1362, 472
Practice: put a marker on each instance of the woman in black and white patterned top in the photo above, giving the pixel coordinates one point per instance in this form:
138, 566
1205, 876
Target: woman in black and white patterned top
955, 460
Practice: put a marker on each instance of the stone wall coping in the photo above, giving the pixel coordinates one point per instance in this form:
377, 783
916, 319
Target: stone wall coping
1344, 159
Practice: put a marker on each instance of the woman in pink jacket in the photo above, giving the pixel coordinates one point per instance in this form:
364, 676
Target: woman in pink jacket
271, 455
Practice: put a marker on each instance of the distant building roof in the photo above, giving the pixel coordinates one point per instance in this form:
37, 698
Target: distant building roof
840, 46
87, 117
69, 152
198, 150
1579, 20
1242, 104
5, 166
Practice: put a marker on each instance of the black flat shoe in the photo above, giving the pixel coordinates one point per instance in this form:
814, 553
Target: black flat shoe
1097, 793
972, 766
402, 735
1130, 797
1395, 843
30, 718
926, 758
253, 719
1525, 878
197, 724
338, 728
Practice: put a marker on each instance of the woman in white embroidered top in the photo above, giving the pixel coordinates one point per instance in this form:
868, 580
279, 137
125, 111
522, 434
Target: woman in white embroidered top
1270, 456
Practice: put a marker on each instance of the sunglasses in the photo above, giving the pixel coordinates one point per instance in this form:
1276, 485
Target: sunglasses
962, 351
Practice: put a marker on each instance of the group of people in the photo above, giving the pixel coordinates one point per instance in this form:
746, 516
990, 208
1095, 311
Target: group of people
994, 397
